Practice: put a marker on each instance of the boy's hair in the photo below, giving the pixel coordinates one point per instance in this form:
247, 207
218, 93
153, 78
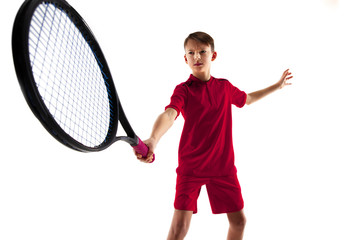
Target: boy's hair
201, 37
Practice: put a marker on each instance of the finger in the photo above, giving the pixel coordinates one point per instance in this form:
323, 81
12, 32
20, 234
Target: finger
147, 159
138, 155
144, 160
150, 157
285, 74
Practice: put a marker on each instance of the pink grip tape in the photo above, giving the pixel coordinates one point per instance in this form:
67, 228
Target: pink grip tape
143, 149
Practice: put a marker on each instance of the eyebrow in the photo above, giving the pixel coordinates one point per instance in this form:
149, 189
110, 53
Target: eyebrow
191, 50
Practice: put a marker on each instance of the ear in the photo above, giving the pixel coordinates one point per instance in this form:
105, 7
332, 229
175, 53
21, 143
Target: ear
185, 59
214, 55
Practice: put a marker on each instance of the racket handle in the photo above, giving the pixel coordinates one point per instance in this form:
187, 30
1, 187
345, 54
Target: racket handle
143, 149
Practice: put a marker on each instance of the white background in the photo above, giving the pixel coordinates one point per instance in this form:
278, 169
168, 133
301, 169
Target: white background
297, 151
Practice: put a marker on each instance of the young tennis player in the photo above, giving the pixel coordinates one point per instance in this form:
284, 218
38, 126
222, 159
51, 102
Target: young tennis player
206, 155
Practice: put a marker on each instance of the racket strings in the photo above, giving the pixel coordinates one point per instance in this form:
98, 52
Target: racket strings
68, 76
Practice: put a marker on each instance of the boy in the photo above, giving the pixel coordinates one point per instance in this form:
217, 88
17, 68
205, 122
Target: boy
206, 155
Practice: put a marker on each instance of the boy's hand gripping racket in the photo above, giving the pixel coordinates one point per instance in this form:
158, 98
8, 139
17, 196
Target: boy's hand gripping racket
65, 79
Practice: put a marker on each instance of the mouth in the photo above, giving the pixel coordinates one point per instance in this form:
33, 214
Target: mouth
198, 64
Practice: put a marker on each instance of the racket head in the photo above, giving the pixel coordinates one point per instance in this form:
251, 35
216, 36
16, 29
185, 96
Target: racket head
35, 18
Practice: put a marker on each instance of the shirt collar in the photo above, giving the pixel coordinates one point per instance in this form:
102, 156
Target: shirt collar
193, 78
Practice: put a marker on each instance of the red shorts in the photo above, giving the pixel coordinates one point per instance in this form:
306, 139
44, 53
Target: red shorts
224, 193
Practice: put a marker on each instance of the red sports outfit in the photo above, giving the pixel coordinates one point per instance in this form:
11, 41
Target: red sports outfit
206, 147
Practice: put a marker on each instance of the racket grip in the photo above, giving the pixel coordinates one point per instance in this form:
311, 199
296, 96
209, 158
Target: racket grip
143, 149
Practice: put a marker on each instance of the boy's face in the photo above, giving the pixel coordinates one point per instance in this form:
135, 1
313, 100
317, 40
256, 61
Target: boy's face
199, 56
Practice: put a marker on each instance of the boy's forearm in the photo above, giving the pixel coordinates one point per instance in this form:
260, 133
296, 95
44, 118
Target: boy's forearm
162, 124
257, 95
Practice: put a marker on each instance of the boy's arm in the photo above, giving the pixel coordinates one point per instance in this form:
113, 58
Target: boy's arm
255, 96
161, 126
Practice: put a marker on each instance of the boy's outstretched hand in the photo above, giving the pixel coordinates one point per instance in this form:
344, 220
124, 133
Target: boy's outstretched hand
257, 95
284, 78
149, 158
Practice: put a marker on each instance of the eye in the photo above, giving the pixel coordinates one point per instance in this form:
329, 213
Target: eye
190, 52
203, 51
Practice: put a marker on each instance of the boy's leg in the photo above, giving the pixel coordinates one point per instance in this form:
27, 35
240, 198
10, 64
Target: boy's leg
237, 223
180, 225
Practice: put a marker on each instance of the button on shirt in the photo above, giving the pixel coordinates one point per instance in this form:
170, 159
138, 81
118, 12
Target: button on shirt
206, 146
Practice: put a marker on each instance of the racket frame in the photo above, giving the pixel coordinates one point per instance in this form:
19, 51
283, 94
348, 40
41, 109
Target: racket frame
28, 86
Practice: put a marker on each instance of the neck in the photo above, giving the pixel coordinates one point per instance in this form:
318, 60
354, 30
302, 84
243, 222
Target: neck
202, 76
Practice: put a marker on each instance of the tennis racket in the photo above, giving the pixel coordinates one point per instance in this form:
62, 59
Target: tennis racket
65, 79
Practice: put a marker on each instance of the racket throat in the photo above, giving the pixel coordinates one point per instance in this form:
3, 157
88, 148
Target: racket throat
132, 141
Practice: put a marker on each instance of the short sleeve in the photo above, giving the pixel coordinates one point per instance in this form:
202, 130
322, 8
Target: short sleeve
177, 100
238, 97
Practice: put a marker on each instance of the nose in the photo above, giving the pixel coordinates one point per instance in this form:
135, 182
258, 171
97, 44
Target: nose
197, 56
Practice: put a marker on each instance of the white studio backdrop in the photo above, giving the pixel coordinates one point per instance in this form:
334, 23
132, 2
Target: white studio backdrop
296, 151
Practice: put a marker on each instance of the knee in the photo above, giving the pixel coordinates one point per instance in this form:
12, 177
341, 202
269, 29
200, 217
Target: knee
238, 223
179, 229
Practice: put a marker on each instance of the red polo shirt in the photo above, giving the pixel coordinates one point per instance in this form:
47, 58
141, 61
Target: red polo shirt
206, 147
